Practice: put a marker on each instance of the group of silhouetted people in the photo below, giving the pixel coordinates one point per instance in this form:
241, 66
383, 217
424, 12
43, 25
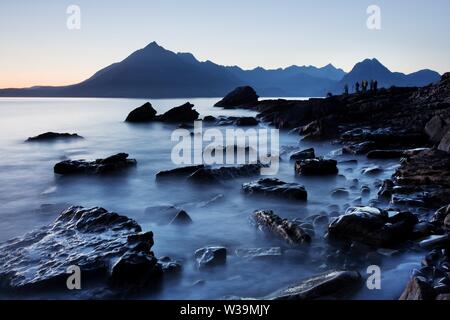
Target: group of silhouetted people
372, 86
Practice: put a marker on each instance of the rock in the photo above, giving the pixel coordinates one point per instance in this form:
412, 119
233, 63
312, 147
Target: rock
246, 121
268, 221
238, 97
182, 172
332, 283
303, 155
52, 136
164, 215
319, 130
386, 190
444, 145
359, 148
372, 171
213, 175
320, 221
435, 241
112, 164
40, 259
443, 297
211, 257
385, 154
277, 188
437, 127
440, 215
316, 167
259, 253
365, 191
182, 218
169, 266
418, 289
144, 113
209, 119
373, 226
184, 113
340, 193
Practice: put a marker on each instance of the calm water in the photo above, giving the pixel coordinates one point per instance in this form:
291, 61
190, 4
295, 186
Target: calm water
28, 182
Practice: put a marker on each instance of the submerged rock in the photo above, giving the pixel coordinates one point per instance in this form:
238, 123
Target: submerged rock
340, 193
316, 167
164, 215
112, 164
277, 188
326, 285
259, 253
238, 97
269, 222
182, 172
144, 113
211, 257
373, 226
100, 243
52, 136
237, 121
184, 113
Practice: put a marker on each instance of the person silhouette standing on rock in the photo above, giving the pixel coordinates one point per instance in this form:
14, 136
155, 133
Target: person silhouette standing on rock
364, 86
357, 87
375, 85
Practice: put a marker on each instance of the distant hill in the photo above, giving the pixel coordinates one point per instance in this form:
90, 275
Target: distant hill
154, 72
373, 69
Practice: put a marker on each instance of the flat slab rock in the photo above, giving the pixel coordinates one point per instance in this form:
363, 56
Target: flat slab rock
276, 188
112, 164
316, 166
52, 136
101, 243
268, 222
373, 226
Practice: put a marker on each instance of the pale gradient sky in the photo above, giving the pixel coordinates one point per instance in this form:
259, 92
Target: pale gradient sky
36, 48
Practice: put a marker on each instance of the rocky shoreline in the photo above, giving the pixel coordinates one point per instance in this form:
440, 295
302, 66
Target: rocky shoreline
411, 211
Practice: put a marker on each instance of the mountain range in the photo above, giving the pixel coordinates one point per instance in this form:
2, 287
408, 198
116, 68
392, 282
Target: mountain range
154, 72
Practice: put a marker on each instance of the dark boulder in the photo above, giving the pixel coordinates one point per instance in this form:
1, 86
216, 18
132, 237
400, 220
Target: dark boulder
319, 130
210, 257
276, 188
246, 121
444, 145
304, 155
323, 286
144, 113
437, 127
316, 167
164, 215
184, 113
213, 175
426, 284
373, 226
359, 147
182, 172
122, 254
340, 193
112, 164
209, 119
238, 97
52, 136
289, 231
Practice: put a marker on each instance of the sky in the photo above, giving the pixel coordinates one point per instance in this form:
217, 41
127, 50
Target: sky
37, 47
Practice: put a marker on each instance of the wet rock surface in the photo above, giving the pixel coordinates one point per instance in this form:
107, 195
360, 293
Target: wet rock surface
211, 257
183, 113
144, 113
373, 226
268, 222
122, 255
326, 285
54, 136
276, 188
212, 175
318, 166
303, 155
112, 164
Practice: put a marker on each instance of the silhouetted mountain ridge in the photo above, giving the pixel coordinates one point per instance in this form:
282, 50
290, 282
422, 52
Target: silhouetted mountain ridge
155, 72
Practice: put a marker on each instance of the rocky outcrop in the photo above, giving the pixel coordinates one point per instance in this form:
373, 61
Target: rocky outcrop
303, 155
184, 113
238, 97
318, 166
276, 188
144, 113
327, 285
40, 259
373, 226
210, 257
269, 222
112, 164
53, 136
